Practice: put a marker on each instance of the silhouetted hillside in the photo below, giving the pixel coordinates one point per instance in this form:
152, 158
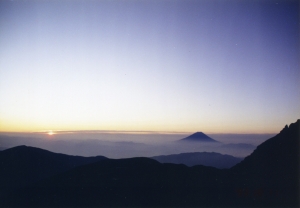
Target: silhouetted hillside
127, 182
274, 165
24, 165
212, 159
268, 177
198, 137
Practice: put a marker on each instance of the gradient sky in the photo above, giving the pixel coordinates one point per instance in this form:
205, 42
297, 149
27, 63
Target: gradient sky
211, 66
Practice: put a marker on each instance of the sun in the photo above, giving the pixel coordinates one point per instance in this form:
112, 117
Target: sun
50, 133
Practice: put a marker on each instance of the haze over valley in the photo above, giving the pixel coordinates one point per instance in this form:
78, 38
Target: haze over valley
149, 103
269, 176
122, 145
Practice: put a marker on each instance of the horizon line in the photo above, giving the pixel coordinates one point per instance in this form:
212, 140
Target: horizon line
123, 132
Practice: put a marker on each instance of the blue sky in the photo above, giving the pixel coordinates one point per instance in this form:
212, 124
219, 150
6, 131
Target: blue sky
212, 66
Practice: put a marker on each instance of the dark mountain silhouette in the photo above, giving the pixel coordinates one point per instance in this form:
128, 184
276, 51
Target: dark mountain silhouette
125, 182
198, 137
274, 164
212, 159
24, 165
268, 177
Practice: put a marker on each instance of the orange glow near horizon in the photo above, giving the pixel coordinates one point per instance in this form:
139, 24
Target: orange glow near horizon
130, 74
50, 133
142, 129
139, 126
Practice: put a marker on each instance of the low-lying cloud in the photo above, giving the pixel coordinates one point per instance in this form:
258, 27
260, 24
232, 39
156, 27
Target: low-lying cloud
131, 145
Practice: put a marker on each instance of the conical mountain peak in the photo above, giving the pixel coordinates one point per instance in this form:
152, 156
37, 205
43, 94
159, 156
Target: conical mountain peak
198, 137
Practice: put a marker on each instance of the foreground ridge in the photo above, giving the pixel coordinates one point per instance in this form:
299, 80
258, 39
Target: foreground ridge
267, 177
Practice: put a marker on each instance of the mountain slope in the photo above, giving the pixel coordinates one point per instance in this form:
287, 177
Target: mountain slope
267, 178
24, 165
126, 182
198, 137
212, 159
280, 154
273, 167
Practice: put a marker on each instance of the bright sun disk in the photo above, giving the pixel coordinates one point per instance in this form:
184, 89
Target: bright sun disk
50, 133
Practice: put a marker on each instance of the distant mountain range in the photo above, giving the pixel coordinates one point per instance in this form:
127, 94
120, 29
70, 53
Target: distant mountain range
269, 177
212, 159
198, 137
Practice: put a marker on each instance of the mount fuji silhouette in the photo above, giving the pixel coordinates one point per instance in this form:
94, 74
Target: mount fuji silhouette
198, 137
269, 177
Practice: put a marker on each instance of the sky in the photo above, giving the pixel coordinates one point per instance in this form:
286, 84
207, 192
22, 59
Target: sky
166, 66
